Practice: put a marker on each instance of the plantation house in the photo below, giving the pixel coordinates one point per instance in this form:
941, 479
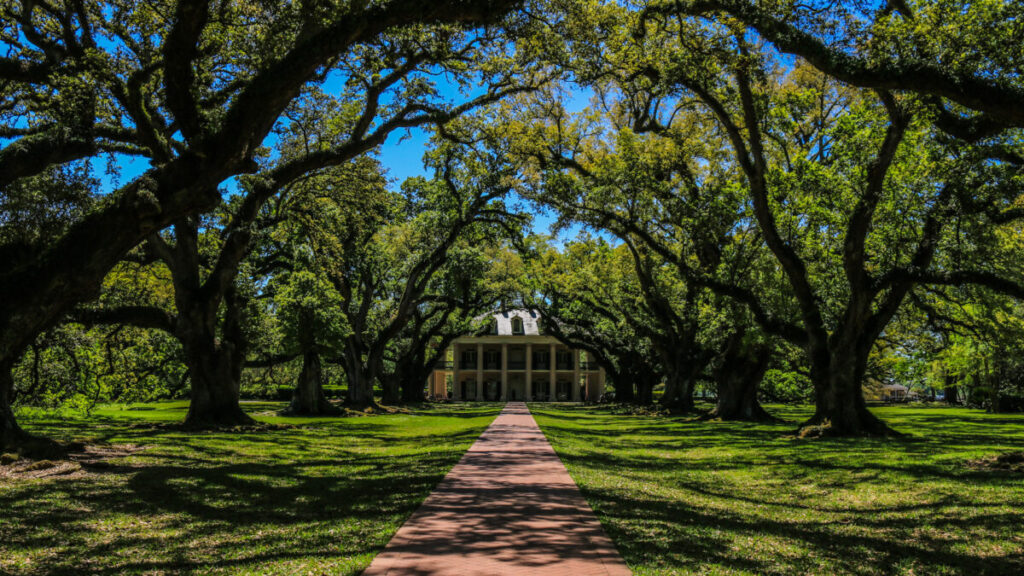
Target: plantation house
516, 361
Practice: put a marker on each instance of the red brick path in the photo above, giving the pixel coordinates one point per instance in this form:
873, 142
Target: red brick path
508, 507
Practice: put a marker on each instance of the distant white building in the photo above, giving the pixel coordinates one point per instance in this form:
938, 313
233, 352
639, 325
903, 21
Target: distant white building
517, 361
895, 393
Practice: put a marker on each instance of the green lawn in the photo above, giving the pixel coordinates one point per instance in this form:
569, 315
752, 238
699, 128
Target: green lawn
680, 496
320, 497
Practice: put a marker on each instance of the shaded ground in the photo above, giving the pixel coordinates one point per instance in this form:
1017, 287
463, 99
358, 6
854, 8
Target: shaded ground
680, 496
322, 495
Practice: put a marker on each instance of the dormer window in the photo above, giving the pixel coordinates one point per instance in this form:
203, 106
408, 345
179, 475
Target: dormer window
517, 326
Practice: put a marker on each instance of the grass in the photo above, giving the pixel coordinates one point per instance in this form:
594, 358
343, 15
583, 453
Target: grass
320, 496
680, 496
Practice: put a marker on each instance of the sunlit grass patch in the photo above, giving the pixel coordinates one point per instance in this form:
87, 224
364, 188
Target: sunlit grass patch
319, 495
683, 496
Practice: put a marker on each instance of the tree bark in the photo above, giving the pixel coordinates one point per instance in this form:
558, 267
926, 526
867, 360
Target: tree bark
678, 391
11, 434
413, 390
737, 378
840, 409
308, 398
624, 392
360, 385
214, 364
215, 388
410, 377
681, 373
633, 381
951, 392
391, 389
644, 391
624, 387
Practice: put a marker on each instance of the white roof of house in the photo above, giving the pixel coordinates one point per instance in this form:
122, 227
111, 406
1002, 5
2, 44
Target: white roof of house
530, 320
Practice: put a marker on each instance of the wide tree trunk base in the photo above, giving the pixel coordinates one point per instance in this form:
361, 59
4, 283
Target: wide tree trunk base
321, 408
15, 439
679, 406
413, 398
859, 423
12, 437
217, 417
755, 413
362, 405
645, 396
308, 398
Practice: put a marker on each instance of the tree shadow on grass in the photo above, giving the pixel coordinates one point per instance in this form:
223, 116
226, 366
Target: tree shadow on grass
746, 498
220, 501
682, 539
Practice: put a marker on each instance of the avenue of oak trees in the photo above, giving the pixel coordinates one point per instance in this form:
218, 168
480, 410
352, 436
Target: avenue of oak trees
189, 195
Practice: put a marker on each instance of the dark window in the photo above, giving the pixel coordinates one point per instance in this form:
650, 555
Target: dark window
517, 326
492, 359
468, 359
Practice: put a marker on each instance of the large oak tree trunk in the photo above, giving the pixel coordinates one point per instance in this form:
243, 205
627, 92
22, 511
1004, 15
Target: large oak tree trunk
391, 389
624, 387
215, 387
11, 434
737, 378
412, 378
681, 375
644, 391
951, 392
678, 391
308, 397
840, 409
413, 389
360, 387
214, 364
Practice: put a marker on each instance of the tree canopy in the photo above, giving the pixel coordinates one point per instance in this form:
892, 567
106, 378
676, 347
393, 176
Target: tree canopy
805, 199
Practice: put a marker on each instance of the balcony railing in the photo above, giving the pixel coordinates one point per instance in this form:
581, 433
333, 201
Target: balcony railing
515, 365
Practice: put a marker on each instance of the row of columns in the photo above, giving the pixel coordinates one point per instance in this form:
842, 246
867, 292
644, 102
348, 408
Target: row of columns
528, 387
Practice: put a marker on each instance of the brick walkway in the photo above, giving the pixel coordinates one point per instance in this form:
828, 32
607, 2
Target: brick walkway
508, 507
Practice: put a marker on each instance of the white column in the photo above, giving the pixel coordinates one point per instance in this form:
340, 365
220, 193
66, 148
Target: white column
455, 372
575, 375
600, 383
479, 372
504, 372
552, 377
527, 390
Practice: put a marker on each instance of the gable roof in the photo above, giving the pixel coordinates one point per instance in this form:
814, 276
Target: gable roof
530, 318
